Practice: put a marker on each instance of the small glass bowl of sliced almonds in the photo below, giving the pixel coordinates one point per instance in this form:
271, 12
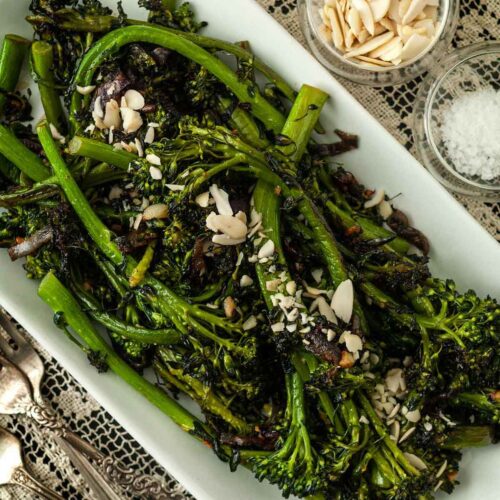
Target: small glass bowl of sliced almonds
379, 42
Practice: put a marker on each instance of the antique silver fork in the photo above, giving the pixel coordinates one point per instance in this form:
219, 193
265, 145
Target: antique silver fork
23, 357
13, 470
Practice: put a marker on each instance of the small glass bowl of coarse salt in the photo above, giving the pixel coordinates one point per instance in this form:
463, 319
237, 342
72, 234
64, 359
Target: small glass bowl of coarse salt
378, 42
456, 121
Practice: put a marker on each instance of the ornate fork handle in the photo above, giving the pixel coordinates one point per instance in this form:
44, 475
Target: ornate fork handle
22, 478
141, 485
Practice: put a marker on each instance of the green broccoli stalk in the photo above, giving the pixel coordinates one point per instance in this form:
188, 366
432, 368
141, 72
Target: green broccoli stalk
42, 61
60, 300
112, 42
24, 159
97, 150
295, 467
12, 54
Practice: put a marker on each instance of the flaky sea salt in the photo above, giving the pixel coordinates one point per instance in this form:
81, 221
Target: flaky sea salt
470, 130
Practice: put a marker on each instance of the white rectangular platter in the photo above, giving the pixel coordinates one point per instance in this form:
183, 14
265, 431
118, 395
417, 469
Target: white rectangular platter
460, 249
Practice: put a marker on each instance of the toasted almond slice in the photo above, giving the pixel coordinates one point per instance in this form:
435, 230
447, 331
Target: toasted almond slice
394, 54
343, 300
386, 48
337, 34
349, 39
326, 33
366, 14
404, 5
388, 24
408, 31
414, 46
370, 61
393, 12
379, 29
341, 18
431, 12
415, 8
354, 21
417, 462
379, 8
324, 17
427, 25
372, 44
363, 36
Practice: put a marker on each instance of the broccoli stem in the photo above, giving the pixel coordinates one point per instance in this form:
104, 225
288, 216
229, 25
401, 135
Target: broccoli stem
169, 304
468, 437
53, 292
197, 391
102, 174
112, 42
97, 150
24, 159
12, 54
97, 230
381, 430
244, 123
42, 60
24, 195
103, 24
164, 336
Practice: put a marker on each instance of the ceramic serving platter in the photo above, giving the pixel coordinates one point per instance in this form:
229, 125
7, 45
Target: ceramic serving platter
460, 248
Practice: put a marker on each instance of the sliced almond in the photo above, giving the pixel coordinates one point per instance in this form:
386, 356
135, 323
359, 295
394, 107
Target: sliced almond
349, 38
325, 310
393, 12
221, 200
354, 20
341, 17
134, 99
387, 47
326, 33
417, 462
388, 24
343, 301
132, 120
370, 45
202, 199
224, 240
393, 55
156, 211
363, 36
229, 225
427, 25
379, 8
415, 8
431, 12
324, 17
266, 250
366, 14
379, 29
404, 5
337, 33
370, 61
112, 115
86, 90
415, 45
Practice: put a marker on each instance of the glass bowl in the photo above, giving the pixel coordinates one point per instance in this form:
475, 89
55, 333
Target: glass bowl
476, 67
335, 61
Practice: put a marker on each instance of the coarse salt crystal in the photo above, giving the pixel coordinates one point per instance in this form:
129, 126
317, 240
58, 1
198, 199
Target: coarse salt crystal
470, 130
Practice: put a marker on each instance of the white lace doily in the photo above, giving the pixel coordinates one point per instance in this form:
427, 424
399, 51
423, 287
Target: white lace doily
392, 106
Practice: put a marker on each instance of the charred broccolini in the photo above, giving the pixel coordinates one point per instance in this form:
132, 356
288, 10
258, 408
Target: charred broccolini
180, 207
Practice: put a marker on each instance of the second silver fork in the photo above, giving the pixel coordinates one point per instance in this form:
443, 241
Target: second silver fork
28, 361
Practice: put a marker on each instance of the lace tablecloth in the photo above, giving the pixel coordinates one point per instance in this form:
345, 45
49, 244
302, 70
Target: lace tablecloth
392, 106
